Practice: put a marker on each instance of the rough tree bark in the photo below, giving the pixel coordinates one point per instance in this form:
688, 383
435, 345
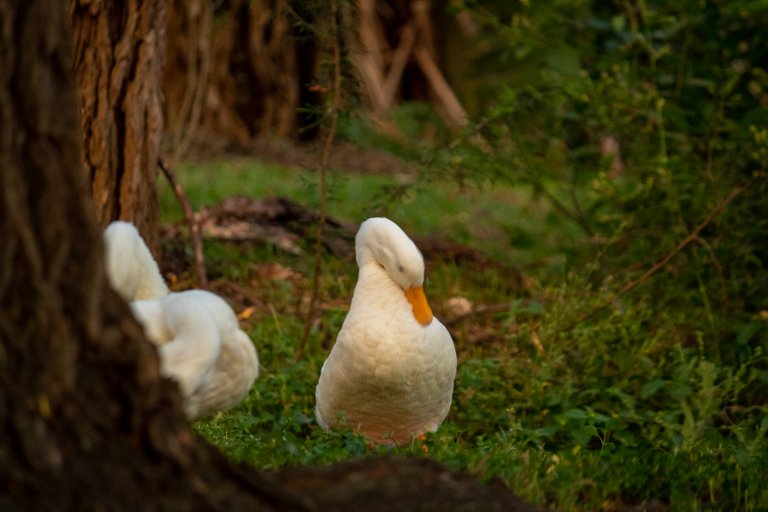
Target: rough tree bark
88, 424
118, 50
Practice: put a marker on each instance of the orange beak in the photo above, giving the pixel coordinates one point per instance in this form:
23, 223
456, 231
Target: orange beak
418, 301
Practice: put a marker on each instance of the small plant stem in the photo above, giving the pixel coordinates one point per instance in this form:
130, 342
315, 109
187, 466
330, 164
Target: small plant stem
194, 228
577, 216
693, 235
324, 163
662, 131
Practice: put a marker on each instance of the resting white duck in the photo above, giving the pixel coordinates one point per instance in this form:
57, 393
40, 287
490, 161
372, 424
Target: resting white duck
199, 340
202, 347
131, 270
390, 373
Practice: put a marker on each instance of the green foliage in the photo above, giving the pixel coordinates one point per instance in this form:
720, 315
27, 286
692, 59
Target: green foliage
634, 406
594, 385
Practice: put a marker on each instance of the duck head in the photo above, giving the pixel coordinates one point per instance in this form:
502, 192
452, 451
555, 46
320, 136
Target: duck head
381, 242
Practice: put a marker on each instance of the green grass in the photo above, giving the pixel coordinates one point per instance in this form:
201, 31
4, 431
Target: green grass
632, 406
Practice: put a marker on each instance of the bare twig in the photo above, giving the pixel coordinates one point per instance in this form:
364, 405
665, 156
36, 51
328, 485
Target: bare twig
335, 106
194, 228
691, 237
577, 216
579, 212
718, 268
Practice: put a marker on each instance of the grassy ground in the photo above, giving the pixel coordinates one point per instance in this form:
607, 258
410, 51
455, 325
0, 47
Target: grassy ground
626, 409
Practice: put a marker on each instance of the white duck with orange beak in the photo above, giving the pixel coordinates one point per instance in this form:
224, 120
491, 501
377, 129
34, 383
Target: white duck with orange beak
390, 374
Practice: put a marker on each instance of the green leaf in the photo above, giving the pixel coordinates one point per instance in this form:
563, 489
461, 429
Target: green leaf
545, 431
601, 418
618, 22
533, 308
650, 388
576, 414
584, 434
564, 60
747, 332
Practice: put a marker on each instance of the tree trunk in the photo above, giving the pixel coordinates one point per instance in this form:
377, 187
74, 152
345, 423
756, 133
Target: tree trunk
246, 75
87, 422
118, 53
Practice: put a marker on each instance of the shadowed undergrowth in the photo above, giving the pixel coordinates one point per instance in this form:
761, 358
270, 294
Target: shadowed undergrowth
651, 401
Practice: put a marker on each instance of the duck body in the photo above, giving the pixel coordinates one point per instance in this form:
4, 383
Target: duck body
131, 269
391, 371
202, 347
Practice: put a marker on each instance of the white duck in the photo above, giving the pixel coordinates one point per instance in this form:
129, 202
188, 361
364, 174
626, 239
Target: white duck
202, 347
391, 372
131, 270
199, 340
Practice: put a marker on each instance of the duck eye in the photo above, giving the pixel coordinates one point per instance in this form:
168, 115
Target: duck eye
401, 269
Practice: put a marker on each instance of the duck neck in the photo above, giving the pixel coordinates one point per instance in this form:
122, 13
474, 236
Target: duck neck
375, 285
151, 283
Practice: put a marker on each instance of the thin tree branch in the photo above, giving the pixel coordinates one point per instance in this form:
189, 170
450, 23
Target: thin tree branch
718, 267
324, 163
692, 236
576, 216
579, 211
194, 227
